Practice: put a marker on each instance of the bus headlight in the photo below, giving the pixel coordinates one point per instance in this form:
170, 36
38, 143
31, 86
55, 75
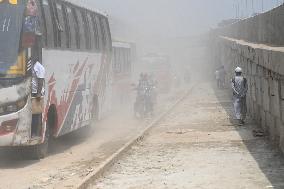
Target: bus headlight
13, 2
13, 107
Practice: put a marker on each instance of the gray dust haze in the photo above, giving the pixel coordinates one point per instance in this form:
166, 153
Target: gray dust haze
172, 18
175, 28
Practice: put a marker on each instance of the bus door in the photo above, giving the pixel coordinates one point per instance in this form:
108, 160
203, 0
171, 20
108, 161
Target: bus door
32, 41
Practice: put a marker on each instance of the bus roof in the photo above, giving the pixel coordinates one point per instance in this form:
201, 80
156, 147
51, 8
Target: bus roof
121, 44
83, 5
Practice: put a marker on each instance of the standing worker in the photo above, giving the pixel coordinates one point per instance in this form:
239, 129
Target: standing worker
217, 77
240, 88
38, 76
222, 75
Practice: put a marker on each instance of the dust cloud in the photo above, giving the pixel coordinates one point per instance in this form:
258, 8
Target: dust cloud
172, 32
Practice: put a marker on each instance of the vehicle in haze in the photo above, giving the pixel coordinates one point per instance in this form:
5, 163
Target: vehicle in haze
144, 103
74, 46
158, 66
123, 57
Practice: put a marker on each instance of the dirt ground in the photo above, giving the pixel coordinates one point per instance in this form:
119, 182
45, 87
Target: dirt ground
199, 146
73, 157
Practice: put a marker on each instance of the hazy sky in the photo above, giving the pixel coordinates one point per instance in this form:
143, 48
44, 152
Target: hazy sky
173, 17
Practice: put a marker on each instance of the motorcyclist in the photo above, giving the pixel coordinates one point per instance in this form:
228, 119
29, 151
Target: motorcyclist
144, 102
153, 86
143, 81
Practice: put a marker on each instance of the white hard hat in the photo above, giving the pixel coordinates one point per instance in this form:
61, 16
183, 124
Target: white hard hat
238, 70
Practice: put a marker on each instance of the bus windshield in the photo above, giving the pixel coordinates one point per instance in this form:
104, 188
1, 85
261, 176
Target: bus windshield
11, 18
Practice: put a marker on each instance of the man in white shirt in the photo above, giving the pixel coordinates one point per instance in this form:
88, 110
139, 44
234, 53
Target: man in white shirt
38, 76
240, 89
217, 77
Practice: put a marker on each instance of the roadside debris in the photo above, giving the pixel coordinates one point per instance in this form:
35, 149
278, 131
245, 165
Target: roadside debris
258, 133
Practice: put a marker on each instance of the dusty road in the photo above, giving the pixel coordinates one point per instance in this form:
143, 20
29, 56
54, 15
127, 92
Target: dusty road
199, 146
73, 157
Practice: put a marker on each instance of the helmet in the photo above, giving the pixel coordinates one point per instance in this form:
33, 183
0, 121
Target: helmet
238, 70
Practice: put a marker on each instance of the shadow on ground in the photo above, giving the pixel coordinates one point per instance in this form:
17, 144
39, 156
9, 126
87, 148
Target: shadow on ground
13, 158
269, 158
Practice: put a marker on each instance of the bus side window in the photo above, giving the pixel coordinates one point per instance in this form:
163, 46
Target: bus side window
48, 24
109, 39
129, 61
114, 51
55, 22
100, 38
67, 27
103, 34
81, 30
113, 60
126, 61
106, 33
117, 60
96, 32
61, 26
92, 32
77, 31
72, 26
42, 24
120, 61
86, 29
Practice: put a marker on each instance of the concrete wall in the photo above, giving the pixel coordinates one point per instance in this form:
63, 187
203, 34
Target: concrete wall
264, 68
267, 28
257, 45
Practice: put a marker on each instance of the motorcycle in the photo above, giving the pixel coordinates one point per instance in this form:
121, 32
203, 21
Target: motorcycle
144, 105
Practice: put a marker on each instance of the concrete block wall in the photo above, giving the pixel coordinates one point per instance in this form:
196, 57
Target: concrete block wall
265, 28
263, 67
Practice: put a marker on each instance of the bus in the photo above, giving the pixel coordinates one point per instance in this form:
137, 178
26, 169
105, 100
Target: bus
123, 57
74, 45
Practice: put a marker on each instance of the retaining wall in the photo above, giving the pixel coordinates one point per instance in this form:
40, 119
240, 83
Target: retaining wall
267, 28
264, 68
257, 45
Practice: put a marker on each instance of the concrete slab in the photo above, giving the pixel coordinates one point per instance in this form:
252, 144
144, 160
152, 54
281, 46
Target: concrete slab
199, 146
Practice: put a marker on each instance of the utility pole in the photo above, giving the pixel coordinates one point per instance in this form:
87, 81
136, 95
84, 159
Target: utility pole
252, 6
247, 12
236, 9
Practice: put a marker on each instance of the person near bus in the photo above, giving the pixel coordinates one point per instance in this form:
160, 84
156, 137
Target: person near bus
32, 17
240, 88
217, 77
222, 75
38, 77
